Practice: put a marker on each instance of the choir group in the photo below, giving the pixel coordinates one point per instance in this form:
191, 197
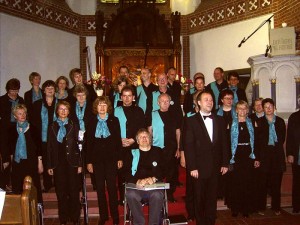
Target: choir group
139, 134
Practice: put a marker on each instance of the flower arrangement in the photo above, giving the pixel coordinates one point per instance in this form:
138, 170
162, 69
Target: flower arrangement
184, 82
99, 82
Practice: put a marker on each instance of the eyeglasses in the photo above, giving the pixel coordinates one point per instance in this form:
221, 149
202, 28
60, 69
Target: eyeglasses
63, 109
227, 98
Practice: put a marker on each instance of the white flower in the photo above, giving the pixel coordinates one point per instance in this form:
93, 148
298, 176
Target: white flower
96, 76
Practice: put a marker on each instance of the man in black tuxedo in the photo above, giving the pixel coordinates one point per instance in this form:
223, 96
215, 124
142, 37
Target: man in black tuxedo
206, 154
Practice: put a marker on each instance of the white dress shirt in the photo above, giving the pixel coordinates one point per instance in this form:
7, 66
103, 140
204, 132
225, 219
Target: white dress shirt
208, 124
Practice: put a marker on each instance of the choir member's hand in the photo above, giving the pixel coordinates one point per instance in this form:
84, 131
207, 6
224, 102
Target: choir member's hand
194, 173
149, 180
40, 167
290, 159
90, 168
256, 164
224, 170
5, 165
50, 172
141, 182
182, 159
177, 154
120, 164
79, 169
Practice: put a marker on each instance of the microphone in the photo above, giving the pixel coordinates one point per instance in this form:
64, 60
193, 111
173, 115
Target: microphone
243, 41
267, 50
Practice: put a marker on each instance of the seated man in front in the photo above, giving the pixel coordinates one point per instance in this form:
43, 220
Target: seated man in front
143, 166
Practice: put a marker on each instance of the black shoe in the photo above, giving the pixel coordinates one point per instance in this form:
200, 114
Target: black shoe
179, 184
171, 199
102, 222
191, 218
234, 214
296, 210
245, 215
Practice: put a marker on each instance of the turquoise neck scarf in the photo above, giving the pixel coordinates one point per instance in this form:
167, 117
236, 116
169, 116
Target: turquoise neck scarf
155, 105
21, 149
119, 113
192, 90
189, 114
45, 120
80, 114
63, 97
36, 96
117, 98
135, 160
221, 112
157, 130
216, 92
234, 136
62, 132
102, 129
142, 97
235, 97
258, 116
13, 104
272, 131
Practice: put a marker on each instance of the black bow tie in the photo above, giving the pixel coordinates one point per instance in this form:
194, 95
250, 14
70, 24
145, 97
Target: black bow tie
210, 116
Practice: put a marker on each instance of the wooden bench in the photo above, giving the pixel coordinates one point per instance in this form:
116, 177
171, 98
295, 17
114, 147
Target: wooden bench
21, 209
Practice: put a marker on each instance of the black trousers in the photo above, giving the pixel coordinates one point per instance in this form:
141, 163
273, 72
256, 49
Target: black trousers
170, 169
66, 182
106, 172
271, 182
296, 187
206, 200
47, 179
189, 196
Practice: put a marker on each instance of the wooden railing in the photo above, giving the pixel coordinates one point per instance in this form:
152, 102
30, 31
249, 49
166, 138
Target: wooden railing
21, 209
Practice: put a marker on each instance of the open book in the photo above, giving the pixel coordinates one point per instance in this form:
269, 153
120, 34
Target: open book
149, 187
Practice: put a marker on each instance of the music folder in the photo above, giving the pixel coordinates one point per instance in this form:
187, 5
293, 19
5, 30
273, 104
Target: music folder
149, 187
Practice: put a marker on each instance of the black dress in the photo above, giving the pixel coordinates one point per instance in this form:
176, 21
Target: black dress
241, 180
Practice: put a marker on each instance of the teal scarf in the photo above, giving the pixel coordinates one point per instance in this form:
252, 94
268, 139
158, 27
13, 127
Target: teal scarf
117, 98
135, 160
235, 97
216, 92
272, 131
142, 97
13, 104
157, 130
21, 149
45, 120
155, 105
35, 96
234, 135
192, 90
259, 116
63, 97
119, 113
80, 114
189, 114
221, 112
102, 129
62, 132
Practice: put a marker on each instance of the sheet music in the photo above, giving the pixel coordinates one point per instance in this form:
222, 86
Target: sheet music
149, 187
